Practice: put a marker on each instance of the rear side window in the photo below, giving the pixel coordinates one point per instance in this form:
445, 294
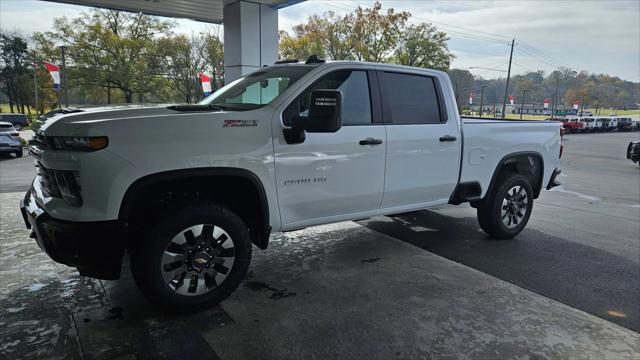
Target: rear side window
411, 99
6, 127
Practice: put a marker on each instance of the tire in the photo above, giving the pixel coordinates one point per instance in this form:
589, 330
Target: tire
19, 153
166, 277
516, 215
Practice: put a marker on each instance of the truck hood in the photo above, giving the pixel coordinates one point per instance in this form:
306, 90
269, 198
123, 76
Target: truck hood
70, 124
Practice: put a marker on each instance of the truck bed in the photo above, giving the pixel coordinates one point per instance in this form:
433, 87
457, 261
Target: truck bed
487, 141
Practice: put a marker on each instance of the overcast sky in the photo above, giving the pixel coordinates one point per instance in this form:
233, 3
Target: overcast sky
597, 36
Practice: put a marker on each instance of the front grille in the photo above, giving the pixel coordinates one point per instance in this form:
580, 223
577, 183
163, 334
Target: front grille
40, 141
48, 181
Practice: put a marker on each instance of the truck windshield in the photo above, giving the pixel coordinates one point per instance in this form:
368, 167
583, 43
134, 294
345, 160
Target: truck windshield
256, 89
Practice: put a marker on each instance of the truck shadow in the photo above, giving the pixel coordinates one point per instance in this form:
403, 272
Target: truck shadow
587, 278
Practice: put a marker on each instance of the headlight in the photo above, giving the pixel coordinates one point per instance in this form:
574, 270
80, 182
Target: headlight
80, 143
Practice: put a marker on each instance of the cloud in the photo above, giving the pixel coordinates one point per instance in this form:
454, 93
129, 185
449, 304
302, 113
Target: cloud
597, 36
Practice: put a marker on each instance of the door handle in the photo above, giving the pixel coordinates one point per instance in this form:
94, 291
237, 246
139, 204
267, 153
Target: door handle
448, 138
371, 141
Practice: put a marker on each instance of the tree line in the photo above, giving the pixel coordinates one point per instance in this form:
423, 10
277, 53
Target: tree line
119, 57
562, 87
111, 57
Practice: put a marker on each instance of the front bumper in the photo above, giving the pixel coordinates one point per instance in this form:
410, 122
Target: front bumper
633, 151
96, 248
553, 182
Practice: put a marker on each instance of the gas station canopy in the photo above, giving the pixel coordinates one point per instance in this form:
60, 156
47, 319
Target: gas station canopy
210, 11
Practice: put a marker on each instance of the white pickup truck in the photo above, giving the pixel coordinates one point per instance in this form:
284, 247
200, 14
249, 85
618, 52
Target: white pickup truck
187, 189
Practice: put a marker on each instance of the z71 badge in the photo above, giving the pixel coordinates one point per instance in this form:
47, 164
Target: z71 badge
240, 123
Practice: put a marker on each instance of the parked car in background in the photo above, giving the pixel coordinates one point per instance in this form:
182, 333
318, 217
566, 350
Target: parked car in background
19, 121
608, 123
8, 128
588, 124
633, 151
10, 139
571, 124
597, 124
625, 124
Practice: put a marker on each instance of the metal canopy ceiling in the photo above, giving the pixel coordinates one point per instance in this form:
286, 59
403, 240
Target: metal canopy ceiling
200, 10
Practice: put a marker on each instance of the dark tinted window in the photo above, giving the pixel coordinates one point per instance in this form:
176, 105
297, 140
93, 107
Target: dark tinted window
356, 102
14, 118
411, 99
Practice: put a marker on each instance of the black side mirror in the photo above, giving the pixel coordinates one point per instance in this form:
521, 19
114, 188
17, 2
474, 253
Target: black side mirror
325, 112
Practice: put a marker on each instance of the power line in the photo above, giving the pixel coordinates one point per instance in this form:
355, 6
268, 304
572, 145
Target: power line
411, 20
456, 26
544, 54
540, 58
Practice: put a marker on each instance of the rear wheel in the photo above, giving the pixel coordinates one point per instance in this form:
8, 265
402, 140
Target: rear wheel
19, 153
505, 211
192, 258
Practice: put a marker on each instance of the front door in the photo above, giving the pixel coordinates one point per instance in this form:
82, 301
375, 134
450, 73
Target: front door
332, 174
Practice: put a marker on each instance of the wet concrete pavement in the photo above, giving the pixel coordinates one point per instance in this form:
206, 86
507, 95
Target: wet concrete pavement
337, 291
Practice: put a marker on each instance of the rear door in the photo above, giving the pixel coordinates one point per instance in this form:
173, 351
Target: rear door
330, 175
423, 142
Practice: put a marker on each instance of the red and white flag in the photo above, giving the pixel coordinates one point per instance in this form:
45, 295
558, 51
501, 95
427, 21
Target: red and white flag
576, 105
546, 103
510, 99
54, 71
206, 84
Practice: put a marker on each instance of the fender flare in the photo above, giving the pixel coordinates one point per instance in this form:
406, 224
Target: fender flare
135, 190
538, 187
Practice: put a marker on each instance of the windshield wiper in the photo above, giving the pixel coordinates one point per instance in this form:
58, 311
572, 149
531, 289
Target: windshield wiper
195, 107
217, 107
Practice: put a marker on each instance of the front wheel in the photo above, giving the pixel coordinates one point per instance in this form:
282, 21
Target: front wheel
506, 209
192, 258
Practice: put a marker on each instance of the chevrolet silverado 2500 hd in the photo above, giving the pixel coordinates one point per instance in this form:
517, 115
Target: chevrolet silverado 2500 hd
286, 147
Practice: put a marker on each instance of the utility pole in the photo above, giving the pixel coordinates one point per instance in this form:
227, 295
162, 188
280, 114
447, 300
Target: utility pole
524, 93
506, 89
533, 105
494, 102
64, 76
555, 102
186, 57
35, 81
582, 105
481, 98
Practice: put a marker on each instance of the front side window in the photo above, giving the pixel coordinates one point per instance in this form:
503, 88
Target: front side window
356, 100
256, 89
411, 99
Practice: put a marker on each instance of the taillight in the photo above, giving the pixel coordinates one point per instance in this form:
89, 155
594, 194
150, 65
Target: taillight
561, 145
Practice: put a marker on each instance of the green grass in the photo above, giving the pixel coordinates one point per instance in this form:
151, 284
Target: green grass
6, 109
606, 112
